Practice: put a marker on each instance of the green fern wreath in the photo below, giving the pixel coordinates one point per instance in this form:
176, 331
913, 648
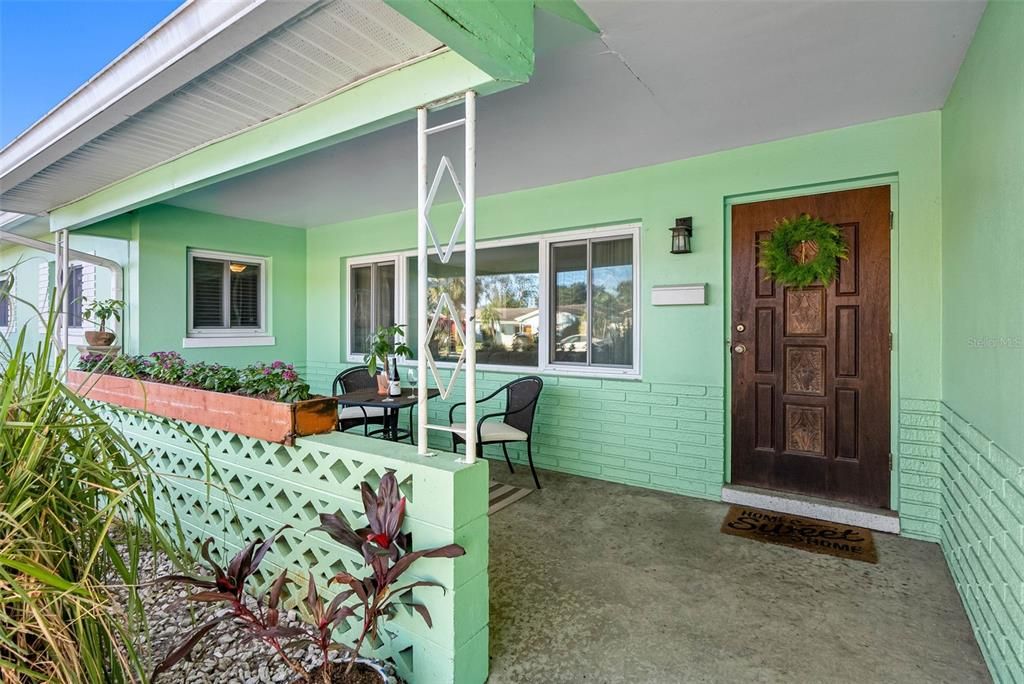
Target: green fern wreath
802, 251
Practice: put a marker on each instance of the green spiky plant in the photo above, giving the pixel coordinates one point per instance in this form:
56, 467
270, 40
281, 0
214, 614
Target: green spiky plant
69, 485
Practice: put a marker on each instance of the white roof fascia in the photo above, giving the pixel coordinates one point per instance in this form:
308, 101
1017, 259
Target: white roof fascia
177, 50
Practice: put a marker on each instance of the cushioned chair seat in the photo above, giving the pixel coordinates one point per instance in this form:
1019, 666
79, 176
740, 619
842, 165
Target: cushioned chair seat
356, 412
494, 431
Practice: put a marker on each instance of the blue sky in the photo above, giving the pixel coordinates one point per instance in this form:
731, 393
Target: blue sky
50, 47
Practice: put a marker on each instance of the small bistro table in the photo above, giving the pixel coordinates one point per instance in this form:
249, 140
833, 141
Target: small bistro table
392, 406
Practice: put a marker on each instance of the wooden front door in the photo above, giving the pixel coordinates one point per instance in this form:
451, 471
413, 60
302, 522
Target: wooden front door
810, 367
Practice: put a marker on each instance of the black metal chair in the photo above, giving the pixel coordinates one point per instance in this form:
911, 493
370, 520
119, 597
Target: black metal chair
516, 420
350, 380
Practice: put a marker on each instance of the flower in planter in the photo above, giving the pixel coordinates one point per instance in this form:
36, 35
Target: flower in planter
130, 367
277, 381
211, 376
90, 361
167, 367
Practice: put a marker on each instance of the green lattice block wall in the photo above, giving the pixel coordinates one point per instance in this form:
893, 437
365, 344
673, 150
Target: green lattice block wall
235, 488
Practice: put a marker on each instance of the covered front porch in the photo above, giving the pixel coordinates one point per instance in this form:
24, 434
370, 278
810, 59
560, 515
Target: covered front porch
311, 232
633, 585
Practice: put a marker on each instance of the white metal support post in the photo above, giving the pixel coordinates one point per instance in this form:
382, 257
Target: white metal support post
426, 237
62, 258
421, 278
470, 341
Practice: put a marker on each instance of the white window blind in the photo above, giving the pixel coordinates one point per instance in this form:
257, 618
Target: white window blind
227, 293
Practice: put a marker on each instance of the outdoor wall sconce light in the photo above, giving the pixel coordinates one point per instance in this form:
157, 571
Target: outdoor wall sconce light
238, 268
681, 234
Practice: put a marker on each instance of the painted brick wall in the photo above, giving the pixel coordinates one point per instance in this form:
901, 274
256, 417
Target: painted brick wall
920, 468
662, 436
982, 536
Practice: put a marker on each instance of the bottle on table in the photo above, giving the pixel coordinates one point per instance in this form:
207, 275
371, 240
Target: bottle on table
394, 379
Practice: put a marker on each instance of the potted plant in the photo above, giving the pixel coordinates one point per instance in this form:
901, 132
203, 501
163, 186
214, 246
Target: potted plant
100, 311
382, 347
386, 552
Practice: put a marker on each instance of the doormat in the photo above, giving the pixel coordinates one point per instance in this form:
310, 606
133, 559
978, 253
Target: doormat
503, 495
816, 536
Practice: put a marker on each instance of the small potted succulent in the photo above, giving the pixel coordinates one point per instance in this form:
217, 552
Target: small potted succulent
100, 311
383, 346
371, 601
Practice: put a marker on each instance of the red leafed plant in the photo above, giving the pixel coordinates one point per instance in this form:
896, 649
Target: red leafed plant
229, 586
386, 550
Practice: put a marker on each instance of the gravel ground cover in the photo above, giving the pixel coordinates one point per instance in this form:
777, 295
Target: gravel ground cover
225, 656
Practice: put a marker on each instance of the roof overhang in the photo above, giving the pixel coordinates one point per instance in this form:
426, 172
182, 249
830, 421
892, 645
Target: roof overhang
193, 39
376, 103
220, 88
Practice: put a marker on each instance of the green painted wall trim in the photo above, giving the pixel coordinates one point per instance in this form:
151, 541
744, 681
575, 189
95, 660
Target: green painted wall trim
365, 107
164, 236
495, 35
983, 336
983, 239
569, 10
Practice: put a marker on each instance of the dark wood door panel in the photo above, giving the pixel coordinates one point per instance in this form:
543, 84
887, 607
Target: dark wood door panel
811, 390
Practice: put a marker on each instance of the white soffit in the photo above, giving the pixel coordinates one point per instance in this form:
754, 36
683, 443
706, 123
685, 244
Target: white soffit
666, 80
329, 45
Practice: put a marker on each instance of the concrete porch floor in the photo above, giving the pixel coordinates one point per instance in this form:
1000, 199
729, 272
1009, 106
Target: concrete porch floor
599, 582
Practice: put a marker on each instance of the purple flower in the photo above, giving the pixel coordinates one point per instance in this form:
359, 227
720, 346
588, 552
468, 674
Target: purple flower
277, 364
266, 371
290, 375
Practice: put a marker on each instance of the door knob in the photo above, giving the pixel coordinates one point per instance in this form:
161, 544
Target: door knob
740, 348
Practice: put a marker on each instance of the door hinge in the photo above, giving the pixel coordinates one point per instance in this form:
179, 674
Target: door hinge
891, 221
890, 341
890, 462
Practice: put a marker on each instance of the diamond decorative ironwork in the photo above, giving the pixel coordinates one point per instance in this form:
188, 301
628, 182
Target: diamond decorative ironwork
446, 303
442, 167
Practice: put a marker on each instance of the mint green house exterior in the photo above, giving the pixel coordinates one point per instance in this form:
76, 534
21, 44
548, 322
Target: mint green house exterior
662, 420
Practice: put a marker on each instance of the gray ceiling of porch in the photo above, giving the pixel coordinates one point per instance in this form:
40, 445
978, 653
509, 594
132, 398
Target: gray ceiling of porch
664, 81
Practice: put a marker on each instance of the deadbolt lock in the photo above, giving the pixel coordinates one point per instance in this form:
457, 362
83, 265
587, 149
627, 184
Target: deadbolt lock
740, 327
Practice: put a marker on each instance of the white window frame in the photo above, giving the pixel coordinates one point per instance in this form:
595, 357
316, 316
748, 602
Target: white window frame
544, 241
401, 315
225, 337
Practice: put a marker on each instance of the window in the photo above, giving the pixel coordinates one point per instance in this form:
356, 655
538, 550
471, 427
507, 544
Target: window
6, 301
564, 301
227, 294
592, 302
75, 292
507, 304
371, 301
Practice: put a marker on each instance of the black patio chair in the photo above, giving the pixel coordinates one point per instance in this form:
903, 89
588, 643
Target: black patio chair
350, 380
516, 423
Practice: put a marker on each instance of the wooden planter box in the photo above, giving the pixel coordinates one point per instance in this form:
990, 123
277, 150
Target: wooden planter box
273, 421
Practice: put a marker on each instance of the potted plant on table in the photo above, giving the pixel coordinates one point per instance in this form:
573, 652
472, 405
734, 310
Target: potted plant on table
100, 311
383, 347
386, 551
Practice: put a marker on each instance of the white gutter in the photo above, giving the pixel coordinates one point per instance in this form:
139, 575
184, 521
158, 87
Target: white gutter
180, 48
116, 271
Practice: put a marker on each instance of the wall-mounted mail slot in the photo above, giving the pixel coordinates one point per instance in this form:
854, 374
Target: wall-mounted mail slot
676, 295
